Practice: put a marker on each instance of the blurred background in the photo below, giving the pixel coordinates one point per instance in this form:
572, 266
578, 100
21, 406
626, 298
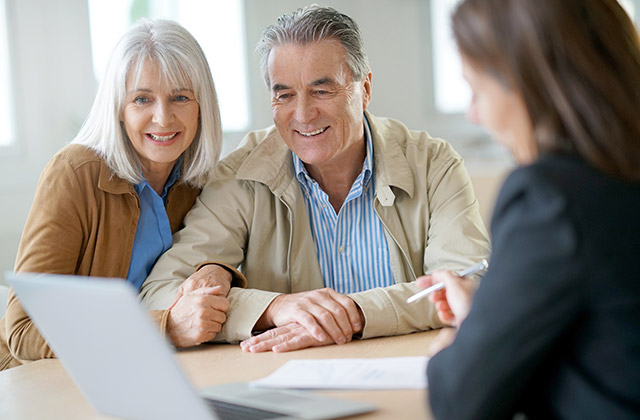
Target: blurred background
53, 53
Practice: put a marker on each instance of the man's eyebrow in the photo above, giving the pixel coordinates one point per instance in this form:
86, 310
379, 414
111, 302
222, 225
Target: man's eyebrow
277, 87
323, 81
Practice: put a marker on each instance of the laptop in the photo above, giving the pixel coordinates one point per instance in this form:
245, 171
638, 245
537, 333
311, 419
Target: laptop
125, 368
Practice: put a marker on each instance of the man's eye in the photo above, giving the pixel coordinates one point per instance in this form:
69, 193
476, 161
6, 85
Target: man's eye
283, 96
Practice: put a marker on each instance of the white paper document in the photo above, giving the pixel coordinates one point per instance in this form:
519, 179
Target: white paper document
378, 373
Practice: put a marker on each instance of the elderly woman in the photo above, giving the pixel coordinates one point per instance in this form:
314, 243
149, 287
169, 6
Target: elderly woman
553, 331
107, 204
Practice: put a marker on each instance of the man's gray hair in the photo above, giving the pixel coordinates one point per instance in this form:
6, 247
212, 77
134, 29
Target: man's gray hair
181, 63
311, 24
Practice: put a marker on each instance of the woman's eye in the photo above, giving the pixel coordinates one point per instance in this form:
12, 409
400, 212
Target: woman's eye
181, 98
141, 100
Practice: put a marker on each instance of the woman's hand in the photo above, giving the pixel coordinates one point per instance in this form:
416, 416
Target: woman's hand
454, 301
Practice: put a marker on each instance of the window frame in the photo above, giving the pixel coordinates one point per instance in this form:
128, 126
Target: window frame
10, 147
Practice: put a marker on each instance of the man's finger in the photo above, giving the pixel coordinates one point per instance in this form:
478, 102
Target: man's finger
333, 319
310, 322
350, 308
266, 340
209, 290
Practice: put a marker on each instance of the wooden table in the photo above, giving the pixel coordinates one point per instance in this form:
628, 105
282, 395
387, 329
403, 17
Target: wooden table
43, 389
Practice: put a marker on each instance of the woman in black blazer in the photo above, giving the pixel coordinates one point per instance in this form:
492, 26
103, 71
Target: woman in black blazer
553, 331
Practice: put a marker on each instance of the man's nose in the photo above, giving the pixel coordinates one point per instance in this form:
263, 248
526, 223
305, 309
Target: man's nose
305, 109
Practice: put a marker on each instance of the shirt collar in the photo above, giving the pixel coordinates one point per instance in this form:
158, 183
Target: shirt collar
367, 168
173, 177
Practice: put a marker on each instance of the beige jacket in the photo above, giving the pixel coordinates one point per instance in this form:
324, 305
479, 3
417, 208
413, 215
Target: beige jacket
253, 216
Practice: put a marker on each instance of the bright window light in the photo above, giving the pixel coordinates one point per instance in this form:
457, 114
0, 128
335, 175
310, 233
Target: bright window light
452, 95
217, 25
451, 92
6, 111
629, 7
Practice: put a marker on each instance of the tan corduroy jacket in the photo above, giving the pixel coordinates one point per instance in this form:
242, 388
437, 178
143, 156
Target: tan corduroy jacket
82, 221
253, 215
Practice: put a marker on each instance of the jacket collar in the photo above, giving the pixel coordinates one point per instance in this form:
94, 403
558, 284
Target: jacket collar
111, 183
270, 162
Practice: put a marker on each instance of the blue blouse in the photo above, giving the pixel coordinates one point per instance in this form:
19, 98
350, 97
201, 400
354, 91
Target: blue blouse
153, 233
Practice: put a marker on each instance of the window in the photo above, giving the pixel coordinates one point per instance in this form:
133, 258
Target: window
217, 25
6, 110
451, 92
629, 7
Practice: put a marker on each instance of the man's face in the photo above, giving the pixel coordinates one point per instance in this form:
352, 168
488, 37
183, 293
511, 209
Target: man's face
317, 107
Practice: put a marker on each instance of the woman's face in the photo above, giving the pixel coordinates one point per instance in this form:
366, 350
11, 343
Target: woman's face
160, 122
502, 112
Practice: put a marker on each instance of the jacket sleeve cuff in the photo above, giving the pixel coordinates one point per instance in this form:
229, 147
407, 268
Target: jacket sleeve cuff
161, 318
387, 313
246, 306
238, 279
380, 319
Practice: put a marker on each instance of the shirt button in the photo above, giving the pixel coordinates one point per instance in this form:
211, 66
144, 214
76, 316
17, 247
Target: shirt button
324, 206
341, 249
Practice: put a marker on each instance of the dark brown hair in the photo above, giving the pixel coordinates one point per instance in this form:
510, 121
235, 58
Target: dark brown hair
576, 64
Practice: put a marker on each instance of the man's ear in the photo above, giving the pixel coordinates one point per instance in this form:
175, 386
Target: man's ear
366, 91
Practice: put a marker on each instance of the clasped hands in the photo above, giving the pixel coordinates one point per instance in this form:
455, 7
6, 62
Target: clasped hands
292, 322
200, 306
306, 319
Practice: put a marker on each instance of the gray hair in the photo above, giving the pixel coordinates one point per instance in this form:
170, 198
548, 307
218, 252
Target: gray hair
181, 62
315, 23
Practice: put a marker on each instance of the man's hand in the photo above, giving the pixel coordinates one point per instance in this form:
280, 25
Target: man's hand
197, 316
208, 276
325, 313
286, 338
454, 301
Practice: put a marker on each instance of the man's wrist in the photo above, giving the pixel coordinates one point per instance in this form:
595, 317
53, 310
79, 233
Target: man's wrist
227, 273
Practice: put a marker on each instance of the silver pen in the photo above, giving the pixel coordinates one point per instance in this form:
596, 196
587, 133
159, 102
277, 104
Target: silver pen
476, 268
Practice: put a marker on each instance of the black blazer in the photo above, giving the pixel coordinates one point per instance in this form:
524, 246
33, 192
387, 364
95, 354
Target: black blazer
554, 329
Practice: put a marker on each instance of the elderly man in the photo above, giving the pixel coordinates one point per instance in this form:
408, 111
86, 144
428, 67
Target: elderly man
331, 214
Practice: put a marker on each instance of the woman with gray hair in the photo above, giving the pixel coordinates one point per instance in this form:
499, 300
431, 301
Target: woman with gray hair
108, 204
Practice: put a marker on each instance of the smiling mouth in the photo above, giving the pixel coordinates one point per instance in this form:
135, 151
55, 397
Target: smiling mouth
156, 137
313, 133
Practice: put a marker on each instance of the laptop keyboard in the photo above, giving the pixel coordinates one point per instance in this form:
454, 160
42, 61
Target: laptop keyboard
230, 411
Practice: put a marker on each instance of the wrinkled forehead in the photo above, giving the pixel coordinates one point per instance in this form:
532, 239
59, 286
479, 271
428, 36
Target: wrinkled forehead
308, 62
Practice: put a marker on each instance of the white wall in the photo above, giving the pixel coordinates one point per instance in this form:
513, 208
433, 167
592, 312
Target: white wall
54, 87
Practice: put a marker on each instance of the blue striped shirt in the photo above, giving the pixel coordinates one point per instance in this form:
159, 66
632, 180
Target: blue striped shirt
351, 247
153, 233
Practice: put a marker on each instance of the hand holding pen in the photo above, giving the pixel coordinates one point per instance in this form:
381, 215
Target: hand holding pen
476, 268
453, 303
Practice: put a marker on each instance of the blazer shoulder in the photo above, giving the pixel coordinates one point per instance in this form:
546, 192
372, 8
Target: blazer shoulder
532, 189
